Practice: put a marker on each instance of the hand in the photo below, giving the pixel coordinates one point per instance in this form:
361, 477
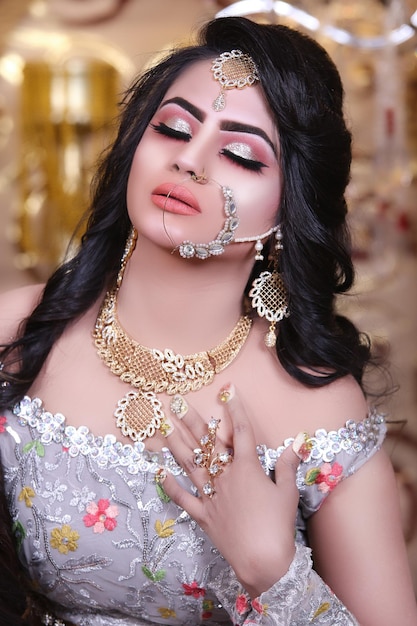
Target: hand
250, 519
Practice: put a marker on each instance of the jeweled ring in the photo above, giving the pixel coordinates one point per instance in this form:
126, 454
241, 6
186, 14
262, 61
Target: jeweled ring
204, 457
215, 467
201, 458
207, 442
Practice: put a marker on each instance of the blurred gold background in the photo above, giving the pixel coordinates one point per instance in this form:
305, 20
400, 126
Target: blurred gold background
63, 67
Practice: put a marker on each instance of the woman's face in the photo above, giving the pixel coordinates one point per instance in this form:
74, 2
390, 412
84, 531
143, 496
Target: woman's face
237, 148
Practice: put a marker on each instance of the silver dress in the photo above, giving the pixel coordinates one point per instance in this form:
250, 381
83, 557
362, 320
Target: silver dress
101, 541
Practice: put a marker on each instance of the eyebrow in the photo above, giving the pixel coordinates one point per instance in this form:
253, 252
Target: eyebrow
225, 125
184, 104
247, 128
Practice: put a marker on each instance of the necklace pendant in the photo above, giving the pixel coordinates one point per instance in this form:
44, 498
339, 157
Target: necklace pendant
150, 371
140, 414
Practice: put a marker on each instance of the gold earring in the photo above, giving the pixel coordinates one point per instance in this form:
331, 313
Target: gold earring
130, 246
269, 295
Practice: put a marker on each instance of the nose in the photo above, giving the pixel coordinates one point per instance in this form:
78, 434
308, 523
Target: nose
200, 178
193, 167
193, 158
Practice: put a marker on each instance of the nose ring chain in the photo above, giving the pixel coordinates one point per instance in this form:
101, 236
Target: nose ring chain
201, 179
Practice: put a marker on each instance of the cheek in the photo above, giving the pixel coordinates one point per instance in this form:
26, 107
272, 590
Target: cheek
137, 176
258, 207
133, 188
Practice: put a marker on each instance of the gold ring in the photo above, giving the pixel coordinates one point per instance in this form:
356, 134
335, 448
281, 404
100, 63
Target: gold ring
204, 456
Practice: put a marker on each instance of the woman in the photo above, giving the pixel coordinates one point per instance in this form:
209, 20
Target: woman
218, 221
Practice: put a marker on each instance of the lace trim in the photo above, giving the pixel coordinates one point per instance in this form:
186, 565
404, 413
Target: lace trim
107, 451
353, 438
299, 598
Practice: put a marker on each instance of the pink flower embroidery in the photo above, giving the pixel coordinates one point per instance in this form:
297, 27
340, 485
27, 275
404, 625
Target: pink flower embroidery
329, 477
242, 604
101, 516
193, 590
3, 421
259, 608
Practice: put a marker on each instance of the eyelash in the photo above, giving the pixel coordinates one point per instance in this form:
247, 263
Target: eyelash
167, 131
163, 129
249, 164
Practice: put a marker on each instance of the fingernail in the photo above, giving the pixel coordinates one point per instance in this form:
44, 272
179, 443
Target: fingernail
302, 446
166, 427
160, 475
179, 406
227, 393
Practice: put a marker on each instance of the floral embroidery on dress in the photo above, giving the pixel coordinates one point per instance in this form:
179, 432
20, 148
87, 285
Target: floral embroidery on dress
157, 563
166, 613
162, 493
258, 607
64, 539
81, 498
155, 577
208, 606
164, 530
194, 590
3, 422
19, 533
242, 604
327, 477
35, 445
323, 608
26, 496
101, 516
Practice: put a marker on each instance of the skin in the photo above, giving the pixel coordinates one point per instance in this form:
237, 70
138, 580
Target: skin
187, 136
189, 305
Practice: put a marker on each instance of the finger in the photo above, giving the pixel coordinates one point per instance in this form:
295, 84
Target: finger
286, 470
286, 466
179, 436
184, 455
190, 422
183, 498
243, 435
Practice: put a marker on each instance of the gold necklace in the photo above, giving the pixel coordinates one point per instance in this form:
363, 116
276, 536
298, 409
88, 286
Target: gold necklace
140, 413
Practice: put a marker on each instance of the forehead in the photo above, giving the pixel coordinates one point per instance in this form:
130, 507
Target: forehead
197, 85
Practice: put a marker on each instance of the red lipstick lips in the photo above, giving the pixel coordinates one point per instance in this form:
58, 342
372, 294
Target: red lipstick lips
175, 199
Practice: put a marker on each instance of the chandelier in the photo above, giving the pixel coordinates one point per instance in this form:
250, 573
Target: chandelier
394, 36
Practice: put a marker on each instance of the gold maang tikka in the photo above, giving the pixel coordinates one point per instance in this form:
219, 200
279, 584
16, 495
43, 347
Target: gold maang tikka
233, 70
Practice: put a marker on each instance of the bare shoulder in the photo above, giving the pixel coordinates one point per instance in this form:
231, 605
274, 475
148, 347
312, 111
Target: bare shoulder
343, 400
15, 306
329, 406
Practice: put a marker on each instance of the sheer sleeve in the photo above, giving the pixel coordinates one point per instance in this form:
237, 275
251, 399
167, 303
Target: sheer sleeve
334, 456
299, 598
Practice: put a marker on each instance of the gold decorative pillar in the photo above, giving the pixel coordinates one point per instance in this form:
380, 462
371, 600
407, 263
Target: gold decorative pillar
67, 110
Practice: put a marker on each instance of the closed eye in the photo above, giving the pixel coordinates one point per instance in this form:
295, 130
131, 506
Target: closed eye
241, 154
177, 130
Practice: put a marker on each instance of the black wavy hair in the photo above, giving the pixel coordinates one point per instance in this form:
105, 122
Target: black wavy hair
305, 95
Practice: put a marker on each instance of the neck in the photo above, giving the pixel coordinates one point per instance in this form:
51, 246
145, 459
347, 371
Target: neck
187, 305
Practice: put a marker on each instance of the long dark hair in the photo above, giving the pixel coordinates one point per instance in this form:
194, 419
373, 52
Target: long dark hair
305, 96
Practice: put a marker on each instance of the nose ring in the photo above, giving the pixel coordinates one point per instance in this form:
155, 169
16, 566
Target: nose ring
201, 179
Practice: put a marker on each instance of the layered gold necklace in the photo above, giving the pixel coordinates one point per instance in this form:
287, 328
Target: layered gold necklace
151, 371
